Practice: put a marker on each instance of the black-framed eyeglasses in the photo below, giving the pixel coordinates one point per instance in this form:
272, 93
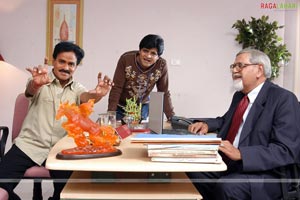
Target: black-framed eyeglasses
240, 66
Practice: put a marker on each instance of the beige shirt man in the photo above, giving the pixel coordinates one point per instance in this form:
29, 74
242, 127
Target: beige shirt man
40, 130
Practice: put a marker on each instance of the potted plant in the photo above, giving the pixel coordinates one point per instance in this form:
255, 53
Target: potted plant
132, 111
261, 34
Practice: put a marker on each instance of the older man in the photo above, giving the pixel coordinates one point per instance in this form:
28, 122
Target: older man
260, 133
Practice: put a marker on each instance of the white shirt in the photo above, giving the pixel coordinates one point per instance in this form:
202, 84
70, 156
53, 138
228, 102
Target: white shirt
251, 96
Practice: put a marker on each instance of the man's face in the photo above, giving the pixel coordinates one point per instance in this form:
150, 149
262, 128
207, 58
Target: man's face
147, 57
244, 73
64, 66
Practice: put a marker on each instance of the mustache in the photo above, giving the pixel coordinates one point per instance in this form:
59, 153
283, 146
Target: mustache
236, 76
65, 71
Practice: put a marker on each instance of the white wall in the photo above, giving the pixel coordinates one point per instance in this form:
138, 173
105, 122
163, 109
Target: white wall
7, 95
198, 33
290, 35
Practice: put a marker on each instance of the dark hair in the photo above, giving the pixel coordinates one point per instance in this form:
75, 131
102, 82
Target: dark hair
153, 41
67, 47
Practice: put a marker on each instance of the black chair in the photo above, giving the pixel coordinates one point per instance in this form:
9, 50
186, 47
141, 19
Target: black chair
290, 185
3, 139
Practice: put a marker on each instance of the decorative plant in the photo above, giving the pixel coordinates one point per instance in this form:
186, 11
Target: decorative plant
261, 34
133, 109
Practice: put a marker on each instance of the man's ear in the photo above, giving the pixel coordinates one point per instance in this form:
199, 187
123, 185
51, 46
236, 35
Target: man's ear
260, 72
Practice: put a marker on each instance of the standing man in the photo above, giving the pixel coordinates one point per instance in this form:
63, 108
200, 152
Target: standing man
136, 75
40, 130
266, 138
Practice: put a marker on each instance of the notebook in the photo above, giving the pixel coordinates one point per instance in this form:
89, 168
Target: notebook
156, 116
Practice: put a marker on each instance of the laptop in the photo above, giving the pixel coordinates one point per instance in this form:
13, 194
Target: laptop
156, 116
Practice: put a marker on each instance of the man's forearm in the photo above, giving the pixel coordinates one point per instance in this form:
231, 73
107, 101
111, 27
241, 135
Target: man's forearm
86, 96
31, 89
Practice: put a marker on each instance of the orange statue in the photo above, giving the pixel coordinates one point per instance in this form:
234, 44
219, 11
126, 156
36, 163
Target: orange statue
90, 137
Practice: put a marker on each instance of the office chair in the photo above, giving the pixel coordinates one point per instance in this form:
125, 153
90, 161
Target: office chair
37, 173
3, 194
3, 139
293, 192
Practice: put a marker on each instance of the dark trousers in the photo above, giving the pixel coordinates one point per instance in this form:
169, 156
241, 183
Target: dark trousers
13, 167
236, 186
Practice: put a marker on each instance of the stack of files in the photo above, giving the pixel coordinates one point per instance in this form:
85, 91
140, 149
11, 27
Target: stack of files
181, 148
192, 153
174, 138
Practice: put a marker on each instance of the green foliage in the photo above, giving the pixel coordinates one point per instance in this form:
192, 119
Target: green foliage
261, 34
133, 109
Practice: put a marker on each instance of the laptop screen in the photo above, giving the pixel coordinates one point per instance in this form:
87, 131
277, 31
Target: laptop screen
156, 114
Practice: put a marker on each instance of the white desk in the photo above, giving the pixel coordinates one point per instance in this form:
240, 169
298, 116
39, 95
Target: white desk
79, 187
133, 159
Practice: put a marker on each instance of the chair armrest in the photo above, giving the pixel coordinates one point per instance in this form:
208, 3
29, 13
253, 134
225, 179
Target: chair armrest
3, 139
290, 182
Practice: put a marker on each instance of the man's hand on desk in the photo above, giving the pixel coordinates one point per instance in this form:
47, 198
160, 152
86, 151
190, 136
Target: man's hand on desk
167, 125
230, 151
226, 147
199, 128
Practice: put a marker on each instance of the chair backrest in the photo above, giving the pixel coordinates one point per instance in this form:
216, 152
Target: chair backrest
37, 173
21, 109
3, 139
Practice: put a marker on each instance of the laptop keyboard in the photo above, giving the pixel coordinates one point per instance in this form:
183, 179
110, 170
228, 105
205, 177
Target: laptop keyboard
176, 131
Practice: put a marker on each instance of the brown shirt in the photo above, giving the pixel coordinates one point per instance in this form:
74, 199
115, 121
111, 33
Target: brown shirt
131, 80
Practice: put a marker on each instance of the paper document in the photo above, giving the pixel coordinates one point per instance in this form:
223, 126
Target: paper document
169, 138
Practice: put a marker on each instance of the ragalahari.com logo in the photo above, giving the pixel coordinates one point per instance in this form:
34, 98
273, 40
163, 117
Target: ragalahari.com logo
278, 6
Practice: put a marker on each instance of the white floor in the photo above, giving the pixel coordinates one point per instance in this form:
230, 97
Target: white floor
25, 187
